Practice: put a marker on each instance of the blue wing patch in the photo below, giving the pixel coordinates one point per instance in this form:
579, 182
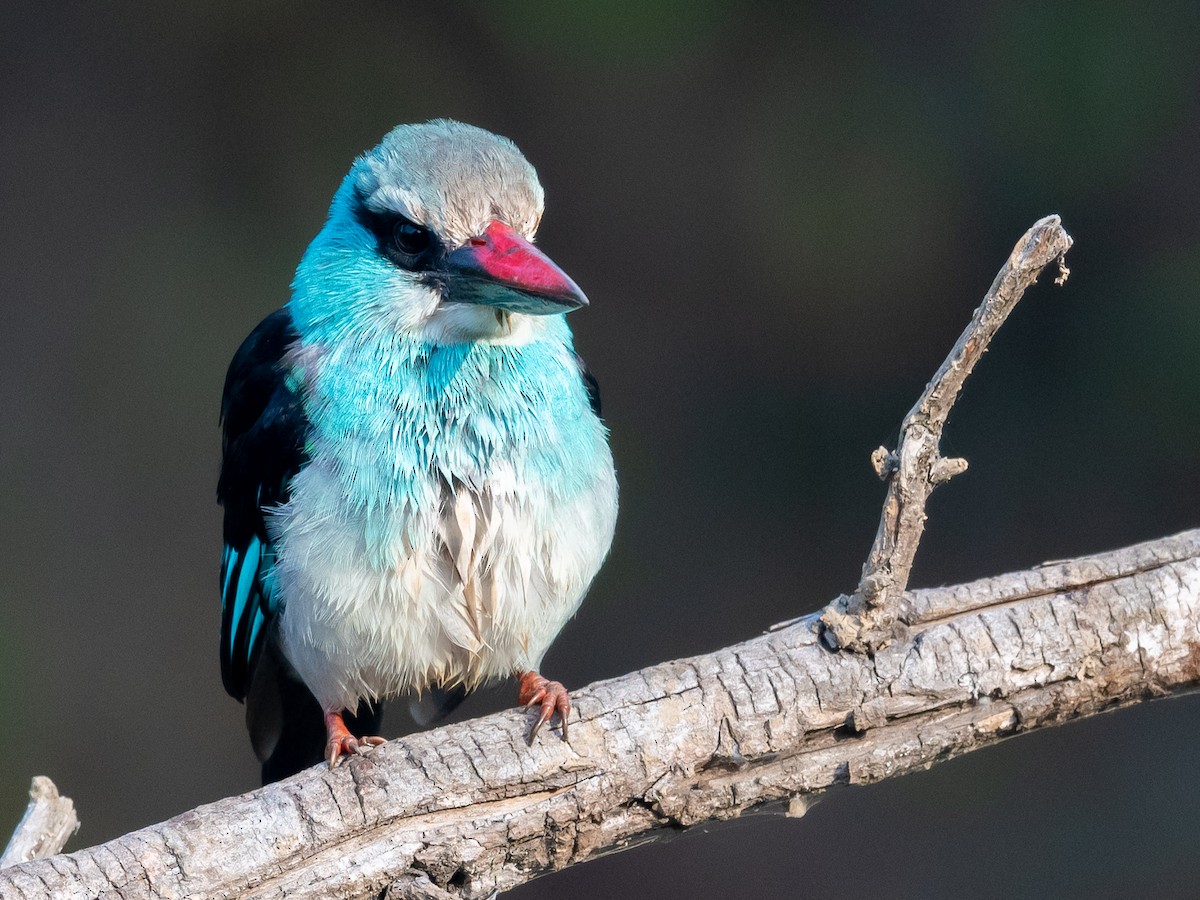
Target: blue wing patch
247, 603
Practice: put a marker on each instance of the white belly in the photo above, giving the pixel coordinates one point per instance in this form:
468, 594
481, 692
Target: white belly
459, 586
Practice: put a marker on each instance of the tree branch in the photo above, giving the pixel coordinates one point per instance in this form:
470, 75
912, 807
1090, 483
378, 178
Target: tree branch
866, 619
469, 808
768, 724
48, 823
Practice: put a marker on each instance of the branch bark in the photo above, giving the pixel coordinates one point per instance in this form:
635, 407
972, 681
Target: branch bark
768, 724
468, 809
47, 825
866, 619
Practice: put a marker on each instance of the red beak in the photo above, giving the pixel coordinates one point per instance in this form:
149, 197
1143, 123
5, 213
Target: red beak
500, 268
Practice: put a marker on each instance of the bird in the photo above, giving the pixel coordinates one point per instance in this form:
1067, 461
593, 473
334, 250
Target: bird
416, 481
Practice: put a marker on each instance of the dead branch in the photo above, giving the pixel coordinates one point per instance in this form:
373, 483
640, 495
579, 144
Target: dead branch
771, 723
864, 620
48, 823
467, 809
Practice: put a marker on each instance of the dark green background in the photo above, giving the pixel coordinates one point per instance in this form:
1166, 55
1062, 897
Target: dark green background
783, 215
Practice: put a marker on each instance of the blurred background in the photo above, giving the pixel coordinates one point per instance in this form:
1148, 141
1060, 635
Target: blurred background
783, 216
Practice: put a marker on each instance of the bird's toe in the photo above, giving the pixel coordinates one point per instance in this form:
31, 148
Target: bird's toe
551, 698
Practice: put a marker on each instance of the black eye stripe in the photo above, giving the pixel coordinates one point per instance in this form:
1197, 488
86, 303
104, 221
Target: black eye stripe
405, 243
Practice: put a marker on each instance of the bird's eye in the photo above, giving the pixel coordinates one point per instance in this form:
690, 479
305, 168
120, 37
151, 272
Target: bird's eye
410, 239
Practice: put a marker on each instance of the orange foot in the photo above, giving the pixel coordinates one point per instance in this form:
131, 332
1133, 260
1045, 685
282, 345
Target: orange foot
551, 696
341, 741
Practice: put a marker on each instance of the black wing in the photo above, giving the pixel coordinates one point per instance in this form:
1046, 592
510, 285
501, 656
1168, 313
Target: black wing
590, 383
264, 436
262, 448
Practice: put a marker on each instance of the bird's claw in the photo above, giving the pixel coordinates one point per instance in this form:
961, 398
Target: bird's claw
342, 742
551, 696
345, 746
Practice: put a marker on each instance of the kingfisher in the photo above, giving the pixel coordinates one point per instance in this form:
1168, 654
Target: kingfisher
416, 481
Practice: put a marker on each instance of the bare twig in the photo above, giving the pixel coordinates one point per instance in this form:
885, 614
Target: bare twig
48, 823
867, 618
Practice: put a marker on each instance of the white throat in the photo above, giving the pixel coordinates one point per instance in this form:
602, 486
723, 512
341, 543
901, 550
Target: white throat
457, 323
